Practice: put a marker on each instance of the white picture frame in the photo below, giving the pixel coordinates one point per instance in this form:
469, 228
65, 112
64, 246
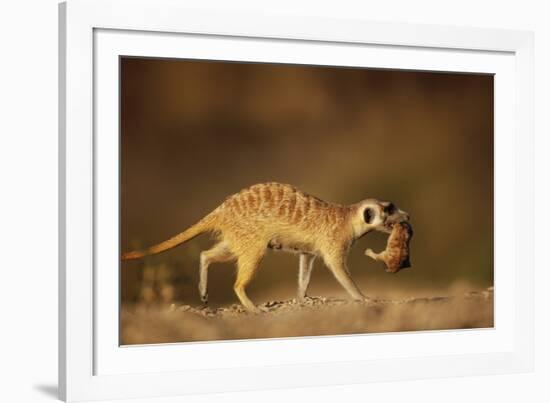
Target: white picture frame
93, 33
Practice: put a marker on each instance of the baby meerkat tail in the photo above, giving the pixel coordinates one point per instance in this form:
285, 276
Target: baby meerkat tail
202, 226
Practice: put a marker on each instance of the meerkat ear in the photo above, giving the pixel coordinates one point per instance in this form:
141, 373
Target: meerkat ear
368, 215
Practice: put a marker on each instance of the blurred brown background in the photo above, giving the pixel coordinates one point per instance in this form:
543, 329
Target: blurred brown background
195, 132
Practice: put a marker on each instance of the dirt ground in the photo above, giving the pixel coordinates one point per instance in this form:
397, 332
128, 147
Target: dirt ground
142, 324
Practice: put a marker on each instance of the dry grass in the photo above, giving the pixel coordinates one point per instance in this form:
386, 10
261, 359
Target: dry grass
145, 324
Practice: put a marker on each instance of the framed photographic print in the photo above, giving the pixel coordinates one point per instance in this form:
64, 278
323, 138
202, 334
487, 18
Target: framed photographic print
249, 198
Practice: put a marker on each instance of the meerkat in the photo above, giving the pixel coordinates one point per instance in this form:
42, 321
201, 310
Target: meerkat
281, 217
396, 254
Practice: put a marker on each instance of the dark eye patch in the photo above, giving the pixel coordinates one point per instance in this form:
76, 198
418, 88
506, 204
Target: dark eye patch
368, 215
390, 209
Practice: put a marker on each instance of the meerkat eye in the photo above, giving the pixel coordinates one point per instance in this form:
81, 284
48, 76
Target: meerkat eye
368, 215
390, 209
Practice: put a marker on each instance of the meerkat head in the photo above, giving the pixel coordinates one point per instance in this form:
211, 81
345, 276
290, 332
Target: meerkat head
372, 214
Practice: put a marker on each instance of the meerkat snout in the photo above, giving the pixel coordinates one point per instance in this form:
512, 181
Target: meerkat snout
380, 216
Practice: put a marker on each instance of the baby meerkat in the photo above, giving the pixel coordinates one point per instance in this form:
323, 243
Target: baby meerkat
278, 216
396, 255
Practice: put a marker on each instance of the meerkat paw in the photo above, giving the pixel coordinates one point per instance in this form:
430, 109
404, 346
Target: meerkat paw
309, 298
204, 298
367, 300
363, 300
253, 309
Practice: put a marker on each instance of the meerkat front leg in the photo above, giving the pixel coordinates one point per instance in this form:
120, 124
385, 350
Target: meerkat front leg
219, 253
247, 264
304, 275
338, 268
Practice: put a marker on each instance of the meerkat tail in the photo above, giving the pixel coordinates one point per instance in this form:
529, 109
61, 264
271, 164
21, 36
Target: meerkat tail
190, 233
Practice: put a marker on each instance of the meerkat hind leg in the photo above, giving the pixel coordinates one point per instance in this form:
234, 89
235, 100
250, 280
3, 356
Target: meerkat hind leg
219, 253
247, 265
376, 256
304, 275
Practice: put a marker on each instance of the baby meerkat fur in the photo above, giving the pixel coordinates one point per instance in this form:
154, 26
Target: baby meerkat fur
278, 216
396, 255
